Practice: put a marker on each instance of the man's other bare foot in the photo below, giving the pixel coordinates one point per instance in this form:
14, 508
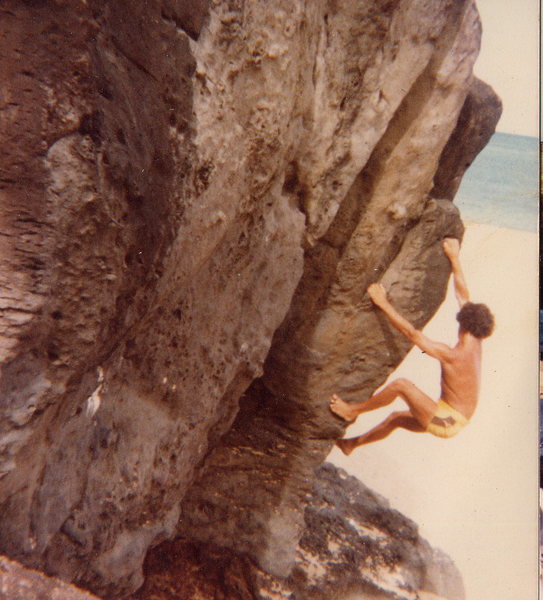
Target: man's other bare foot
346, 446
342, 409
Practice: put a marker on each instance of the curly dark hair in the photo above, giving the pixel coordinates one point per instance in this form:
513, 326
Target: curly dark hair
476, 319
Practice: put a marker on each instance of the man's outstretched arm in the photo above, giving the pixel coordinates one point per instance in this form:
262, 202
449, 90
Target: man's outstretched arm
451, 247
378, 294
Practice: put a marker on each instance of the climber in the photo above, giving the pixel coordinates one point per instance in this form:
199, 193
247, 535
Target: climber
460, 370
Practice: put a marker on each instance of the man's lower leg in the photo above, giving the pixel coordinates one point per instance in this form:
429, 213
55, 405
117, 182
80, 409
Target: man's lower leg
349, 411
394, 421
374, 435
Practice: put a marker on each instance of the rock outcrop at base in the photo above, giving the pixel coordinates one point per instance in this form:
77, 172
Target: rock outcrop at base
194, 196
19, 583
353, 545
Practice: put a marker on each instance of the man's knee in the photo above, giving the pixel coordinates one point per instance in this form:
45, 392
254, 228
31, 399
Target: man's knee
401, 384
405, 420
395, 417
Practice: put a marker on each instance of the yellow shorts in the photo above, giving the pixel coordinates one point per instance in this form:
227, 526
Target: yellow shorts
446, 421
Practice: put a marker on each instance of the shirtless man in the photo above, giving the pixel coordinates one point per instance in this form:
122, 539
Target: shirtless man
460, 371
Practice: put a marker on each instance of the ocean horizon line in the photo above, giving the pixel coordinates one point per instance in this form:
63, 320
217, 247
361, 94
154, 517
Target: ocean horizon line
502, 184
523, 135
471, 223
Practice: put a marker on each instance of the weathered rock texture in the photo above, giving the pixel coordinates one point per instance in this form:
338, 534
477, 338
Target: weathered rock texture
183, 186
353, 546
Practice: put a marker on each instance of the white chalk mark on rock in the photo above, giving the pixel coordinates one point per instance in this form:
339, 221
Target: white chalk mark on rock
94, 400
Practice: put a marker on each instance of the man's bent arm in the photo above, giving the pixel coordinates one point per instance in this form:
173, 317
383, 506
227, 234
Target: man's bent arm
434, 349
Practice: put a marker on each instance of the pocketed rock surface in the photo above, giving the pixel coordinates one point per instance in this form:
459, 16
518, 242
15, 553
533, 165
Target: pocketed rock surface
194, 196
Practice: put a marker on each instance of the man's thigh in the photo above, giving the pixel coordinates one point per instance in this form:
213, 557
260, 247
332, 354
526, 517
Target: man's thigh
421, 406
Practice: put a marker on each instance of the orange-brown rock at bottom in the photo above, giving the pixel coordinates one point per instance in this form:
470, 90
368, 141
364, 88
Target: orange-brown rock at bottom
20, 583
182, 570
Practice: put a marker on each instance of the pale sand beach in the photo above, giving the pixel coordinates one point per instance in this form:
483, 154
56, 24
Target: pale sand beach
475, 496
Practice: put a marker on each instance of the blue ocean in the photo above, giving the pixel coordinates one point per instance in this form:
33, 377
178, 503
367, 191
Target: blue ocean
501, 187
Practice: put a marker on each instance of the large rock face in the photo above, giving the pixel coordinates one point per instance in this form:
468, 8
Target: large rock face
256, 479
194, 196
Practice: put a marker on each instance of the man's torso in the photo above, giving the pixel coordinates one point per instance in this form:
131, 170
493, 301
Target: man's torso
460, 376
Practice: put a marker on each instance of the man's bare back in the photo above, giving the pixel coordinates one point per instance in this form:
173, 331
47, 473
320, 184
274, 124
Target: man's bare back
461, 375
460, 370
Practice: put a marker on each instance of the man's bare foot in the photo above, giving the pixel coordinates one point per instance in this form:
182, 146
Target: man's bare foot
346, 446
342, 409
